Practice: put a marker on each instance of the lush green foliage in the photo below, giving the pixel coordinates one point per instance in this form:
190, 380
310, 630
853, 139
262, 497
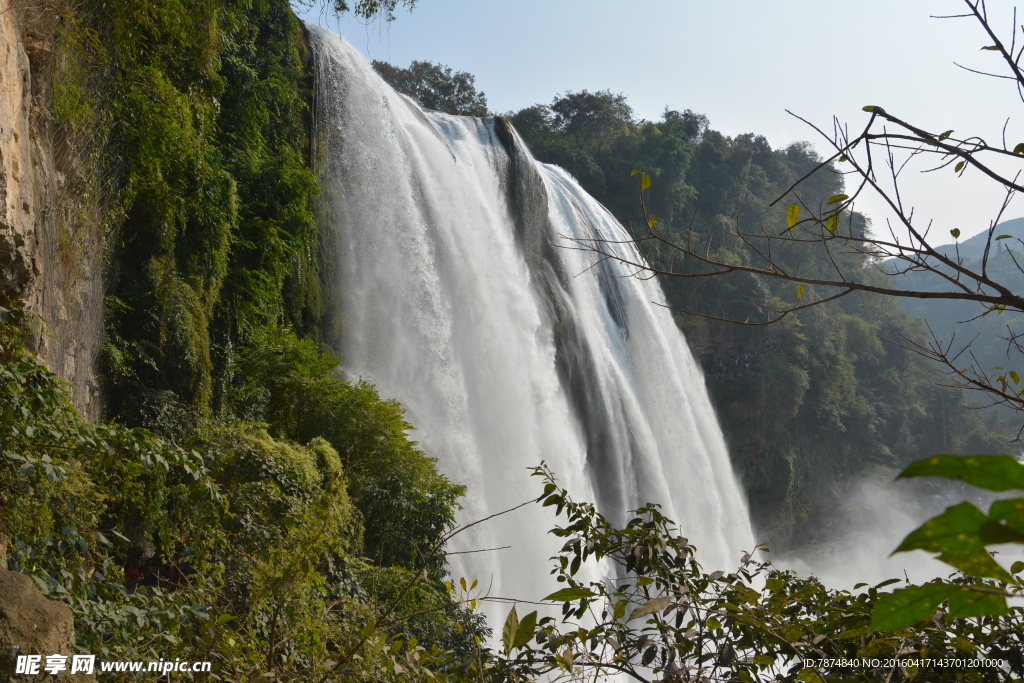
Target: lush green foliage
405, 503
436, 87
214, 235
262, 554
659, 617
85, 506
811, 404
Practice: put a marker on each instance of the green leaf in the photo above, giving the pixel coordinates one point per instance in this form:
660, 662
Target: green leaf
792, 215
1010, 511
620, 609
809, 675
1019, 149
525, 630
645, 181
1014, 376
960, 535
946, 134
570, 594
800, 289
508, 633
959, 166
991, 47
844, 158
1017, 567
955, 232
874, 110
992, 472
1004, 237
836, 198
650, 607
974, 603
907, 606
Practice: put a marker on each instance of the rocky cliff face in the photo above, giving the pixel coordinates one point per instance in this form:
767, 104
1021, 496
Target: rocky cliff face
32, 625
20, 184
50, 262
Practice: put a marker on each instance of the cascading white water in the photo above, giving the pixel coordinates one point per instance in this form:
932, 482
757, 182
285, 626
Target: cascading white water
453, 293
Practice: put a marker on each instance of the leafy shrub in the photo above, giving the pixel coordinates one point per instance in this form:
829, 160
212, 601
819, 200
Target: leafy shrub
406, 504
242, 548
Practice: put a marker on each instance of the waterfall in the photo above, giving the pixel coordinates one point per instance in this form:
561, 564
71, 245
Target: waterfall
450, 287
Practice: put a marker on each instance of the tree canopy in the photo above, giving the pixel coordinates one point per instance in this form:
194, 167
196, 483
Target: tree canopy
435, 86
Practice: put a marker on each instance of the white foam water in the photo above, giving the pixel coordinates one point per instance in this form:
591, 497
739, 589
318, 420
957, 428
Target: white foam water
452, 288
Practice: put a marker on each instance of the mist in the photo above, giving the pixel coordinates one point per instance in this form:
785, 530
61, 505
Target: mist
872, 523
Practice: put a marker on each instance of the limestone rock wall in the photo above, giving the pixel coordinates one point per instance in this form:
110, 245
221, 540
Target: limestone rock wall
50, 259
20, 184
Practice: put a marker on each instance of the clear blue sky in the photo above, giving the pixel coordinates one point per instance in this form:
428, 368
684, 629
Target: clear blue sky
740, 62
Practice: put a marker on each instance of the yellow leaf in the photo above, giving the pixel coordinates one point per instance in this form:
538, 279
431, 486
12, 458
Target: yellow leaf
833, 222
835, 199
650, 607
959, 167
652, 221
800, 289
645, 181
792, 215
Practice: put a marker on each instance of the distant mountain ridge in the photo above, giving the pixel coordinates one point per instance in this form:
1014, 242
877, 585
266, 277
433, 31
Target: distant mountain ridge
959, 321
973, 248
